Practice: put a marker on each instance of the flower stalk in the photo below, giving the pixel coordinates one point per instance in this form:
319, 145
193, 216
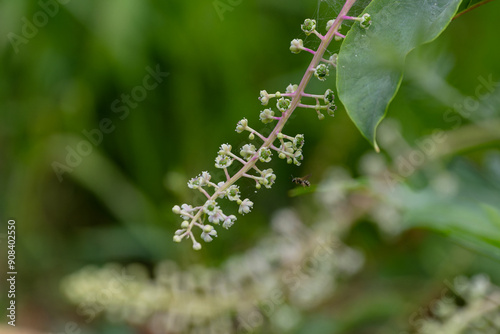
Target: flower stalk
291, 149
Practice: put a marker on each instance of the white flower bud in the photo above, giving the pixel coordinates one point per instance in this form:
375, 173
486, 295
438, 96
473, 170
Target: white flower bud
329, 24
266, 116
242, 125
264, 97
296, 45
291, 88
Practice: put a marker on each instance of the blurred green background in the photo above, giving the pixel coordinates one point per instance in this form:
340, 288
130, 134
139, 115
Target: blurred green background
115, 204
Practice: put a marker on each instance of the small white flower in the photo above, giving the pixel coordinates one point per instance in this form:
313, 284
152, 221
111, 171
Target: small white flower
225, 149
194, 183
288, 148
298, 141
196, 245
264, 97
245, 206
229, 221
266, 116
216, 217
185, 210
223, 161
309, 26
222, 194
297, 157
247, 151
333, 59
233, 193
265, 154
366, 21
283, 104
329, 97
177, 238
296, 45
208, 236
331, 109
242, 125
185, 224
321, 72
291, 88
268, 178
179, 232
205, 178
210, 207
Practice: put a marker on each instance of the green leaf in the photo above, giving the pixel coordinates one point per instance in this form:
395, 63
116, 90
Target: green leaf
370, 63
468, 5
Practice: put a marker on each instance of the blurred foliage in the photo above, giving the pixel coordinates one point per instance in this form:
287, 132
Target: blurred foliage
115, 206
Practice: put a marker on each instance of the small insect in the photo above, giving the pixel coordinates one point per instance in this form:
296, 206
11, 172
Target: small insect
302, 180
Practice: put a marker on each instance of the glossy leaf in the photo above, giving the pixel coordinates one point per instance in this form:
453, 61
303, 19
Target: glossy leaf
370, 63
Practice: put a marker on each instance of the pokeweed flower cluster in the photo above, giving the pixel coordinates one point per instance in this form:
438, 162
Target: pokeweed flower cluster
284, 146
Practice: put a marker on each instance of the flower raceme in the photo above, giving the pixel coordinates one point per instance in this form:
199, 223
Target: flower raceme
287, 147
